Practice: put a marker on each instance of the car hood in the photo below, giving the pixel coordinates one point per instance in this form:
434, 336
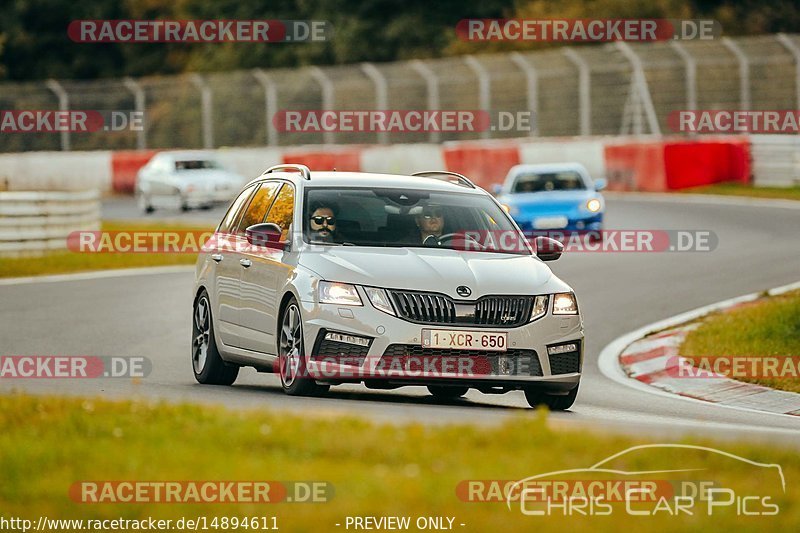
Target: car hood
433, 270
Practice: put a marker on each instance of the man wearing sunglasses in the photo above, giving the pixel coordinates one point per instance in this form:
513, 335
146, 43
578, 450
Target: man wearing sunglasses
431, 225
322, 222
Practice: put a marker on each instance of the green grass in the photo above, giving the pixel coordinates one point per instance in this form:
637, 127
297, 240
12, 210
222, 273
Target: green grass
739, 189
63, 262
767, 327
47, 444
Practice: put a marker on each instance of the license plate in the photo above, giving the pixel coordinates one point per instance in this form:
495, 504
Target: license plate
465, 340
550, 223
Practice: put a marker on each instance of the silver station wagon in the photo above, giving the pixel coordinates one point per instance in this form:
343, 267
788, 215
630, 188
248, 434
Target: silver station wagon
328, 278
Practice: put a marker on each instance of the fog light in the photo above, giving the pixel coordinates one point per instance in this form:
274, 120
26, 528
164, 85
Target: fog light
347, 339
562, 348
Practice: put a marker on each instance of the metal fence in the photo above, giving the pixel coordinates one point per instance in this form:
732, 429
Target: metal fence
608, 89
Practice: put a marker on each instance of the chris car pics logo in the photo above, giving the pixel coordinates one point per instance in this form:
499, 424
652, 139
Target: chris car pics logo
686, 480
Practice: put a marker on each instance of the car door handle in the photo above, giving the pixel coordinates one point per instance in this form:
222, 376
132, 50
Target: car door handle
216, 257
245, 263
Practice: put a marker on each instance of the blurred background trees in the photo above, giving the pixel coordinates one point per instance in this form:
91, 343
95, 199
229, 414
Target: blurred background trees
34, 42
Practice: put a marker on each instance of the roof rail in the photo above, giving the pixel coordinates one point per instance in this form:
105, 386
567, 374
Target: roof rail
462, 179
302, 169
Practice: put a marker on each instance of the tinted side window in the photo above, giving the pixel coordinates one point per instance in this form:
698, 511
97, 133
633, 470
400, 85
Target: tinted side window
234, 210
259, 205
282, 210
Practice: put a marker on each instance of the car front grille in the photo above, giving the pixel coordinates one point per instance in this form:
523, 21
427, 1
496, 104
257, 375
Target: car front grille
472, 363
489, 311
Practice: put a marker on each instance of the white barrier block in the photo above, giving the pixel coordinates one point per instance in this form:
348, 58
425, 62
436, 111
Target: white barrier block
402, 158
776, 160
589, 152
66, 171
250, 162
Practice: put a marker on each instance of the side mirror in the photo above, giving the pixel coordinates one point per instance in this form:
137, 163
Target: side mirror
267, 234
548, 249
600, 184
497, 189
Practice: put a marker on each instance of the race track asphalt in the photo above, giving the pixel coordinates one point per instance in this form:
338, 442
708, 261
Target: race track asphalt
150, 315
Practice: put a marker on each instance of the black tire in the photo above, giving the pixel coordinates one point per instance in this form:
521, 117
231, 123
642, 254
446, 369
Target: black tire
553, 402
144, 203
447, 393
207, 365
292, 357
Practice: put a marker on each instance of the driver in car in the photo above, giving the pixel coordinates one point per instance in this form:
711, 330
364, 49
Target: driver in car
322, 222
431, 225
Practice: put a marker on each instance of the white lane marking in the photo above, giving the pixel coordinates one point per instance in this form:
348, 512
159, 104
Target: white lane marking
608, 360
601, 418
98, 274
708, 199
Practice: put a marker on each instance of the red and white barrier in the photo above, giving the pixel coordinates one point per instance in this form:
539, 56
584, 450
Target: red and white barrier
641, 164
662, 164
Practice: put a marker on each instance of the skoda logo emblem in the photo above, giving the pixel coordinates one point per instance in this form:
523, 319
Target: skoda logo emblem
463, 291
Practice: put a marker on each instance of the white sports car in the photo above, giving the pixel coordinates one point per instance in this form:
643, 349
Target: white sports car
185, 180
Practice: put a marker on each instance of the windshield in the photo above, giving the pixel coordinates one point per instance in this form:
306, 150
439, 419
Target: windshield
568, 180
196, 164
408, 218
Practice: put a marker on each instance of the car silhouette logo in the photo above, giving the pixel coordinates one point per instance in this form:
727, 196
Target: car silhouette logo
463, 291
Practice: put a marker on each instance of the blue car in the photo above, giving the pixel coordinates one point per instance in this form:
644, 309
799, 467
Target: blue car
553, 197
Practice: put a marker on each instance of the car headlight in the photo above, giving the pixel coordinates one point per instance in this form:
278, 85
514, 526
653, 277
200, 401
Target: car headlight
594, 205
564, 303
379, 298
539, 307
331, 292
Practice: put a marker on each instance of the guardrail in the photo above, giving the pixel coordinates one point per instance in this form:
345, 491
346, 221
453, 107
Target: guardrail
38, 221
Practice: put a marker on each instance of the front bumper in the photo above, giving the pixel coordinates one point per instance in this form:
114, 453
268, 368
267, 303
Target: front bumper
395, 354
593, 222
